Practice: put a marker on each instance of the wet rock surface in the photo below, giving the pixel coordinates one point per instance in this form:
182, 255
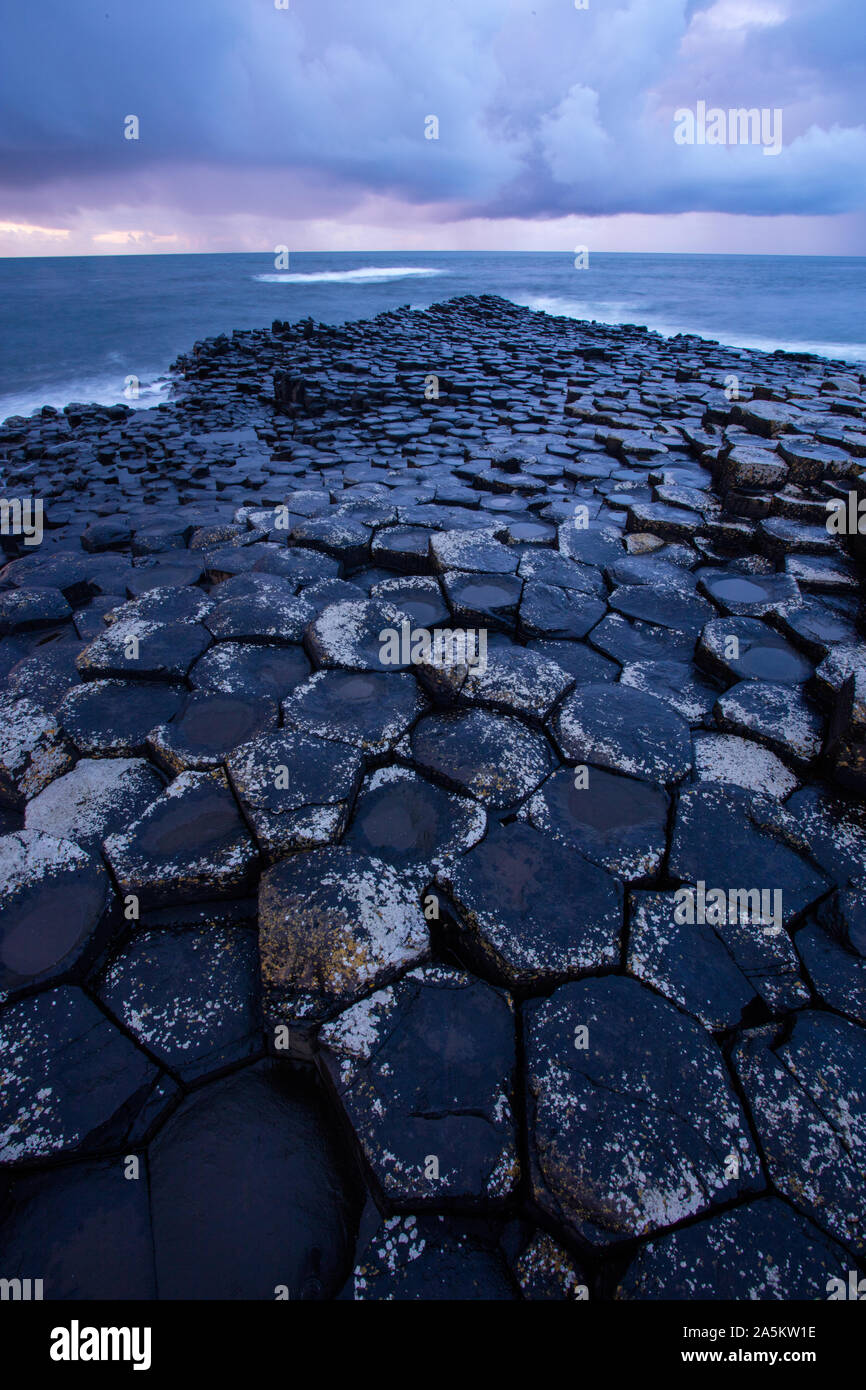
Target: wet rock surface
542, 948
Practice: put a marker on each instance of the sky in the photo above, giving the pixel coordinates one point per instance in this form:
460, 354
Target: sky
307, 124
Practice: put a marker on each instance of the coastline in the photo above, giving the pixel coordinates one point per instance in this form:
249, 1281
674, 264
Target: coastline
638, 526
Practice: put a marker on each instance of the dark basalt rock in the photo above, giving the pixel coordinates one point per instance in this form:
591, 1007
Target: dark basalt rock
189, 997
428, 1257
333, 925
513, 680
478, 551
54, 911
295, 789
638, 1129
21, 609
587, 497
33, 751
424, 1072
420, 599
217, 1235
626, 731
190, 844
113, 718
805, 1095
760, 1251
97, 798
348, 635
663, 607
250, 670
688, 963
619, 823
745, 649
777, 715
546, 611
71, 1080
412, 824
86, 1227
208, 728
483, 600
263, 614
368, 709
726, 838
494, 757
517, 927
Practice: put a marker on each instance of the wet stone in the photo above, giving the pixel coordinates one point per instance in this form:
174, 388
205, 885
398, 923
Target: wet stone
140, 647
428, 1257
686, 962
631, 643
190, 998
47, 675
483, 600
333, 926
836, 968
777, 715
554, 613
662, 607
750, 596
54, 911
86, 1227
739, 761
368, 709
546, 1272
721, 833
412, 824
616, 822
189, 845
834, 829
746, 649
208, 728
577, 660
251, 670
420, 599
424, 1073
33, 750
494, 757
295, 789
514, 680
763, 1251
804, 1089
633, 1131
71, 1080
112, 718
218, 1235
23, 608
675, 682
626, 731
477, 550
99, 797
263, 616
531, 910
349, 635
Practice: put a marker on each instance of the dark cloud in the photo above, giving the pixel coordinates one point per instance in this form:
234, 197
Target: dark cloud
543, 110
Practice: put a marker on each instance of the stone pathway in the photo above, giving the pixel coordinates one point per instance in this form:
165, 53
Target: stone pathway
334, 963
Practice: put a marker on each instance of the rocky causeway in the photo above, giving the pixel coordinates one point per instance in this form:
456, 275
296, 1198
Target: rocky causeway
336, 964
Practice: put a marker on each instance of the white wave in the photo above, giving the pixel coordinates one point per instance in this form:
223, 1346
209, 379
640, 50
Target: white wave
102, 390
369, 275
614, 314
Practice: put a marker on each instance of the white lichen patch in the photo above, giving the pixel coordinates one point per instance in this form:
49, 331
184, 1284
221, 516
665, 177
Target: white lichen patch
728, 758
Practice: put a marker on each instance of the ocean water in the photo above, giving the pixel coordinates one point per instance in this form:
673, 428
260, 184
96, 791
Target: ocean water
77, 328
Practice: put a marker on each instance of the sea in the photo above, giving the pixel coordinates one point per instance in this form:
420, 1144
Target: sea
107, 328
